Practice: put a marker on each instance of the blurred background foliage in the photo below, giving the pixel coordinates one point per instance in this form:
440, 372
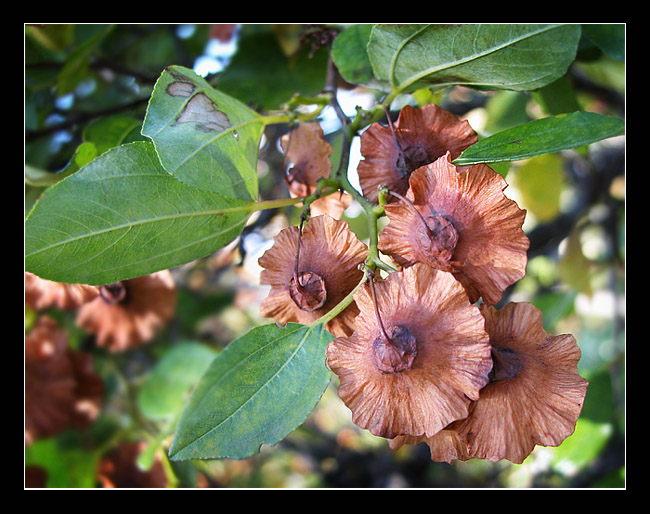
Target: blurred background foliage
86, 90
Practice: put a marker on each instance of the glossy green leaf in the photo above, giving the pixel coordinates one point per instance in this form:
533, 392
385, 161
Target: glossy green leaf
123, 216
349, 52
609, 37
543, 136
506, 56
257, 391
204, 137
110, 131
166, 389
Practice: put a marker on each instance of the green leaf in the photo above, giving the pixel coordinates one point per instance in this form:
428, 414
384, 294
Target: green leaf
262, 75
123, 216
506, 56
76, 63
204, 137
165, 391
66, 460
258, 390
580, 449
609, 37
350, 55
111, 131
540, 182
83, 154
543, 136
557, 97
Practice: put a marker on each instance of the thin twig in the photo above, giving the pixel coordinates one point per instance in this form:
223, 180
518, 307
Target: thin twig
371, 280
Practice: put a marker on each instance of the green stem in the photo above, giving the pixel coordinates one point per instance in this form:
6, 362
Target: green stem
286, 117
275, 204
339, 307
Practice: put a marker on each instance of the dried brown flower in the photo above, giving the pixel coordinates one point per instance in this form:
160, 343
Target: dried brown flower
328, 269
309, 155
35, 477
119, 469
62, 390
130, 313
424, 134
534, 397
460, 222
43, 294
437, 359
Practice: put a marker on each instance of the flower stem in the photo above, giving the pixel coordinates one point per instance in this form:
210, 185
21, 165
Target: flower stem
274, 204
339, 307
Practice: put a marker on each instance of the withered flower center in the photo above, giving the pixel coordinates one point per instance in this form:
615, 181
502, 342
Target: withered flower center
309, 293
440, 237
113, 293
506, 364
411, 158
397, 353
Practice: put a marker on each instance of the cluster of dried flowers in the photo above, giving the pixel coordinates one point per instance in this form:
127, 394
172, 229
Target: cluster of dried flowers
423, 355
62, 389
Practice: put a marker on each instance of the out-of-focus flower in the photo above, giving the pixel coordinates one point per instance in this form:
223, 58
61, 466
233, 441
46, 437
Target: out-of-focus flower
119, 469
327, 270
421, 136
35, 477
43, 294
130, 313
62, 390
436, 361
309, 154
460, 222
534, 397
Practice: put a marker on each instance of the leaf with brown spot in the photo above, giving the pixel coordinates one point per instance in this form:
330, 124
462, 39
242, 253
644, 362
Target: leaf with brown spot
202, 136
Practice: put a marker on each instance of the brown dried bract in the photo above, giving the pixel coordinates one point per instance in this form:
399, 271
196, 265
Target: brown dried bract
439, 361
119, 469
424, 134
330, 255
460, 222
534, 399
62, 390
130, 313
309, 155
43, 294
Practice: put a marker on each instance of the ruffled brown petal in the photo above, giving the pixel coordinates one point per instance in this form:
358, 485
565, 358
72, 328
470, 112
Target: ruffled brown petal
534, 397
451, 365
309, 154
541, 404
119, 469
464, 224
43, 294
536, 402
62, 390
424, 135
130, 313
330, 251
445, 446
333, 205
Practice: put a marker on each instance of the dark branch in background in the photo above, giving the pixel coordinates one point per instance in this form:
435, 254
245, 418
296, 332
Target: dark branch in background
592, 180
581, 82
82, 117
98, 65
